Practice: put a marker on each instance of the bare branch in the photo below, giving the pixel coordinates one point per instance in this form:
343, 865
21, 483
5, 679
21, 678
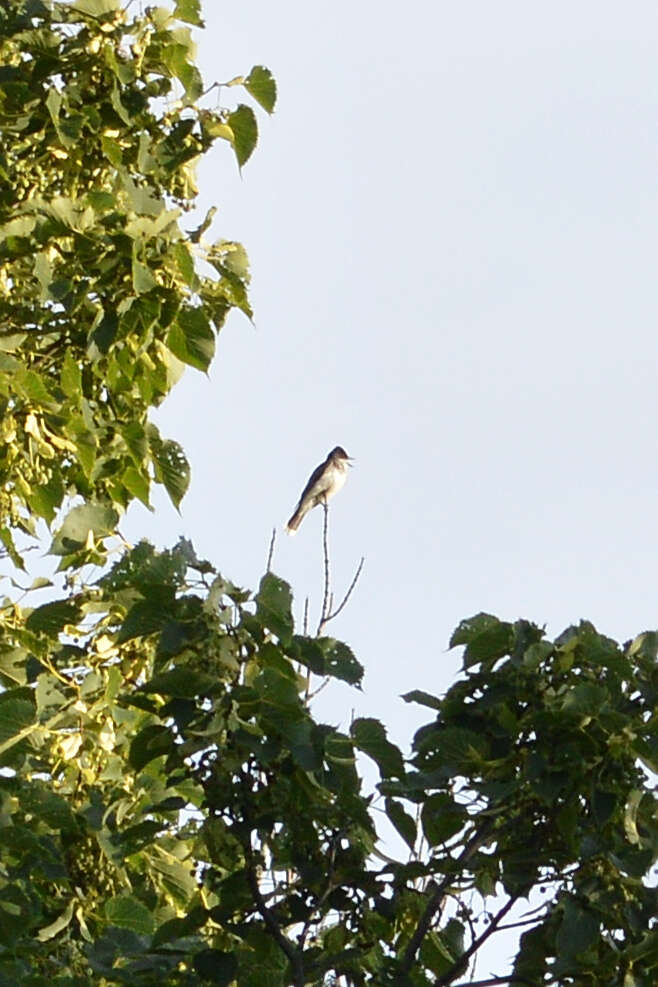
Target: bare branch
439, 893
284, 944
518, 925
335, 613
270, 554
494, 981
327, 575
462, 962
327, 612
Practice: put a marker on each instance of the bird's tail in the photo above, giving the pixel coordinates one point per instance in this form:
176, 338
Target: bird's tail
296, 519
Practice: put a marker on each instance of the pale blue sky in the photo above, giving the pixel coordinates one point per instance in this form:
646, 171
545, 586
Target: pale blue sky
452, 224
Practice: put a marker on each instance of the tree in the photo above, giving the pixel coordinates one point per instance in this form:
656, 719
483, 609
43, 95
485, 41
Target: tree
170, 809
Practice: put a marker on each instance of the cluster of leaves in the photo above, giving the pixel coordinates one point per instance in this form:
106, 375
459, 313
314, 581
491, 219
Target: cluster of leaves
102, 299
171, 809
158, 747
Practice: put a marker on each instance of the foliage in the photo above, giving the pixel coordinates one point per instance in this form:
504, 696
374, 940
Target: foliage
173, 809
170, 809
103, 296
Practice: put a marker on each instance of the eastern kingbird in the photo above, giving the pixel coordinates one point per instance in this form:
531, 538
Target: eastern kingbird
323, 483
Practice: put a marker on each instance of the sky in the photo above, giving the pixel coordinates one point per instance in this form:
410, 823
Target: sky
451, 219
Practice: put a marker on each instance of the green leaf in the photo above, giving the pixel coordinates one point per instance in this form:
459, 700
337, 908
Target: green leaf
178, 928
261, 85
50, 808
143, 280
630, 816
137, 484
172, 469
151, 742
190, 11
340, 661
191, 339
530, 962
578, 931
32, 386
45, 499
216, 967
274, 606
16, 714
185, 263
183, 682
422, 698
369, 735
137, 444
242, 122
486, 638
127, 912
70, 377
60, 923
98, 519
105, 332
51, 618
96, 8
48, 694
144, 618
403, 822
441, 818
177, 59
7, 540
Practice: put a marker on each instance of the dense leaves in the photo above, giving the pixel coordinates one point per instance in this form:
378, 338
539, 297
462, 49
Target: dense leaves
102, 296
170, 806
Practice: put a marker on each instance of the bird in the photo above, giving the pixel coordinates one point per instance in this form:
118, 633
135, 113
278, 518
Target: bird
325, 481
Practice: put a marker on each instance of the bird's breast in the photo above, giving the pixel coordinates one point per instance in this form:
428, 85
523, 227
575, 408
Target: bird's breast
336, 480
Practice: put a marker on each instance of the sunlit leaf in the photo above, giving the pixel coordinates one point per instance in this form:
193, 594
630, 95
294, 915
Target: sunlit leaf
261, 85
128, 912
190, 11
99, 519
242, 122
172, 469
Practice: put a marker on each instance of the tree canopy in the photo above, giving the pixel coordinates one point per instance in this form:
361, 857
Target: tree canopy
171, 811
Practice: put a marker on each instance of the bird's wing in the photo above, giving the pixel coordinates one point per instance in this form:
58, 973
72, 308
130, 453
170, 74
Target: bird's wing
313, 481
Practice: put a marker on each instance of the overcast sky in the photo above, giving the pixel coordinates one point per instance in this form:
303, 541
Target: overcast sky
451, 220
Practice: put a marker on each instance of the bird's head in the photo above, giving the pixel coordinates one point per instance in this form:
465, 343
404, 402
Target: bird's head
340, 456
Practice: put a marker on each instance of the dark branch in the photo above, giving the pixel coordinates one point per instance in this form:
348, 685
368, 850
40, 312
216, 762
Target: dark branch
439, 893
293, 955
270, 554
335, 613
462, 962
327, 578
494, 981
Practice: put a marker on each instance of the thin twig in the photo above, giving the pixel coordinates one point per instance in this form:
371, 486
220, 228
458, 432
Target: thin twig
270, 554
325, 682
437, 896
335, 613
462, 962
215, 85
517, 925
306, 617
327, 575
293, 955
494, 981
